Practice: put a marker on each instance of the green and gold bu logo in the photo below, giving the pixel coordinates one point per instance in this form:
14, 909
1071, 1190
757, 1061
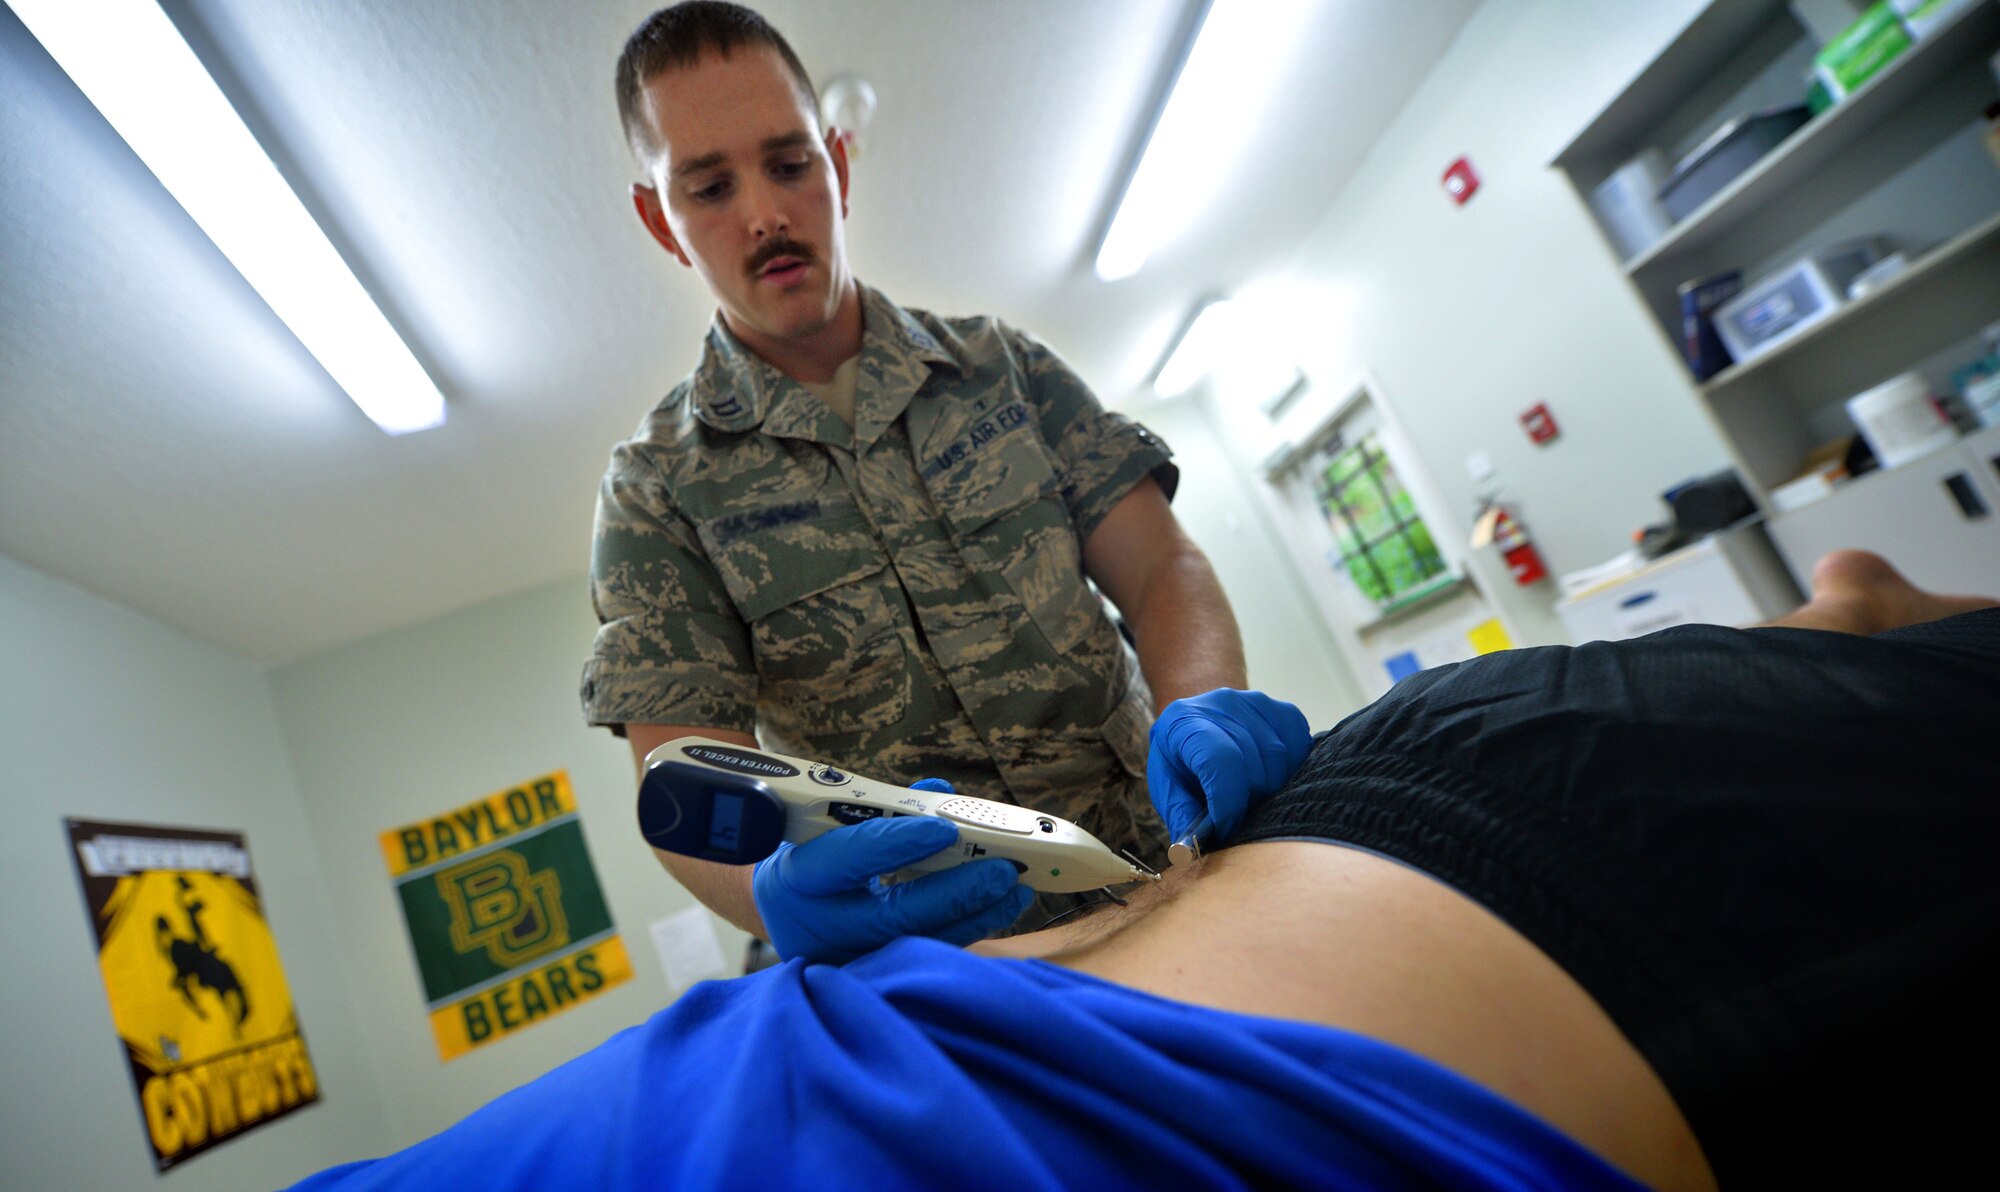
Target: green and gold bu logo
506, 918
497, 903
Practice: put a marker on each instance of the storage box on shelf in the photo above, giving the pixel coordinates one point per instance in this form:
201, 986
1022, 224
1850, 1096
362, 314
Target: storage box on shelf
1900, 159
1790, 300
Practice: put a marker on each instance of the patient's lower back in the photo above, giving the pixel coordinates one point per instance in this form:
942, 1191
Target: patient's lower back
1345, 938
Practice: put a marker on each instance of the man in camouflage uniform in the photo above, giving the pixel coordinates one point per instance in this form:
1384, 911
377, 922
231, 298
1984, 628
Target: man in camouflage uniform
904, 598
860, 533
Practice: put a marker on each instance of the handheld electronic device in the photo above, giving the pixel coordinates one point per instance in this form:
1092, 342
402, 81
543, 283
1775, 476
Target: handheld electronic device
721, 802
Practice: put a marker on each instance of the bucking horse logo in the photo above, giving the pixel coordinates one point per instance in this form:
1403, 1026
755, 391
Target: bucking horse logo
196, 963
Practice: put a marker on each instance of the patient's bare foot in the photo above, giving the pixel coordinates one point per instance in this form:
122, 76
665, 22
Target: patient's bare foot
1855, 591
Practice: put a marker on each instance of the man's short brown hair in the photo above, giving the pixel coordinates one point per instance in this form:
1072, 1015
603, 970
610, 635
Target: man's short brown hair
677, 37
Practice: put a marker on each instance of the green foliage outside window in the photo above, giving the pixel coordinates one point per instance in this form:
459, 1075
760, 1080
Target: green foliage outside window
1384, 545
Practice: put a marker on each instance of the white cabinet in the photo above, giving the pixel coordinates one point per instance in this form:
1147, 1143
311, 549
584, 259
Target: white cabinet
1731, 577
1936, 518
1901, 158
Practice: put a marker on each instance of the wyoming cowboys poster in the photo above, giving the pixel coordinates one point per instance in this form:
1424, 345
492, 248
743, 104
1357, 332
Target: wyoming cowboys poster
504, 913
197, 994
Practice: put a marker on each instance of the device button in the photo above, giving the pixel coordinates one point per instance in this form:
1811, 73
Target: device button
828, 776
985, 814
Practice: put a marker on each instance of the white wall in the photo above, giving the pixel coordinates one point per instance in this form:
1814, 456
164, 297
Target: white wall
1289, 651
418, 721
107, 715
1469, 315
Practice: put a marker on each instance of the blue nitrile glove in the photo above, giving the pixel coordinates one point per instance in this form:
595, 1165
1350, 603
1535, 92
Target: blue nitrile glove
819, 900
1215, 752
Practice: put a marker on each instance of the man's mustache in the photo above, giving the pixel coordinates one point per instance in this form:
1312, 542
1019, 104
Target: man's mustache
773, 249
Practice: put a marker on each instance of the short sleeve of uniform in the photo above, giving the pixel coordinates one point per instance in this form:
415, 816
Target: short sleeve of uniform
1101, 455
670, 648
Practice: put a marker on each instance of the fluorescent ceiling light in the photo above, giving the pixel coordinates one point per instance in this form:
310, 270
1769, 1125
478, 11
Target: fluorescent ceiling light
1201, 346
1244, 345
134, 66
1219, 95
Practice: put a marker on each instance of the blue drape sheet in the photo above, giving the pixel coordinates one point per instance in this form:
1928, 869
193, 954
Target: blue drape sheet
921, 1065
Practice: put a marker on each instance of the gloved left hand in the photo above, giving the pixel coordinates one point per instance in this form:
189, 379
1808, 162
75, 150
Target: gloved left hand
820, 900
1214, 753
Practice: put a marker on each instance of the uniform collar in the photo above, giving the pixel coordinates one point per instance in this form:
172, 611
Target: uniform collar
734, 389
900, 335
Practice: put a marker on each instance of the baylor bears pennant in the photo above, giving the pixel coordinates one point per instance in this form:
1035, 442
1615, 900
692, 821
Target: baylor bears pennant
504, 912
197, 994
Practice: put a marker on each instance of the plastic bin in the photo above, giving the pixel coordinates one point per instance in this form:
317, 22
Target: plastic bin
1627, 206
1729, 151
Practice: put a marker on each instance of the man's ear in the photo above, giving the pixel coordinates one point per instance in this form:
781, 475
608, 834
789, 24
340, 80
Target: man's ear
646, 201
836, 148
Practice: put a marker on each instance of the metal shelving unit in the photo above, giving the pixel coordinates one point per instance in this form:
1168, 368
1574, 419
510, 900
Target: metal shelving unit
1900, 158
1824, 139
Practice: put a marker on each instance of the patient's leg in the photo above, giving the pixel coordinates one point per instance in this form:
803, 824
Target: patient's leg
1854, 591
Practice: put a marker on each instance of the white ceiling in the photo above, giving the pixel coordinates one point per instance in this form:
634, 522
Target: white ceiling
166, 443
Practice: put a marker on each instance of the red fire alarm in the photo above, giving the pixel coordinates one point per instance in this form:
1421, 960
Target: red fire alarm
1540, 424
1459, 180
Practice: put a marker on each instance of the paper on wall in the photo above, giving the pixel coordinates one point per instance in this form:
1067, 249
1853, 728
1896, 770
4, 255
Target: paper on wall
1489, 637
688, 949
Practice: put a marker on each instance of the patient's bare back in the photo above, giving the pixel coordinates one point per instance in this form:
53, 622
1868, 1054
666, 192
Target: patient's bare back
1338, 936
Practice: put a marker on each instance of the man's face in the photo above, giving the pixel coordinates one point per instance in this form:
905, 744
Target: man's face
747, 192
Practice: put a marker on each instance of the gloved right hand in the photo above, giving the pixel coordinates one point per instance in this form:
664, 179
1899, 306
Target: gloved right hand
1218, 752
819, 900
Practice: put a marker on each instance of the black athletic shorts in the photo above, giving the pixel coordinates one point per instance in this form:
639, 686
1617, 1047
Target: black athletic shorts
1771, 855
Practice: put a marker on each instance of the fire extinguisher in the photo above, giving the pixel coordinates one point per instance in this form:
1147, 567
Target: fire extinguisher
1498, 526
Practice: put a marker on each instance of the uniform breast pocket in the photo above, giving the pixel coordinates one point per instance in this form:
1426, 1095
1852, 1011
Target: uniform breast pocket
827, 635
1007, 512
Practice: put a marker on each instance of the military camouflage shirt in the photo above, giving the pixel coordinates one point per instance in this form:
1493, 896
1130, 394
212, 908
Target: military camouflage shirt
904, 598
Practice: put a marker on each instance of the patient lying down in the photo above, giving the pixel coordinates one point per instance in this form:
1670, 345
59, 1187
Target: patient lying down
1707, 906
1350, 939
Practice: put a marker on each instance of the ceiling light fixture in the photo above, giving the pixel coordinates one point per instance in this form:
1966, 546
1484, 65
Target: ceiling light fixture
1219, 94
847, 103
1202, 342
130, 61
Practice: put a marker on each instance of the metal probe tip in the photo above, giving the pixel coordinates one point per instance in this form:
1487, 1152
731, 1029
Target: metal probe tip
1141, 871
